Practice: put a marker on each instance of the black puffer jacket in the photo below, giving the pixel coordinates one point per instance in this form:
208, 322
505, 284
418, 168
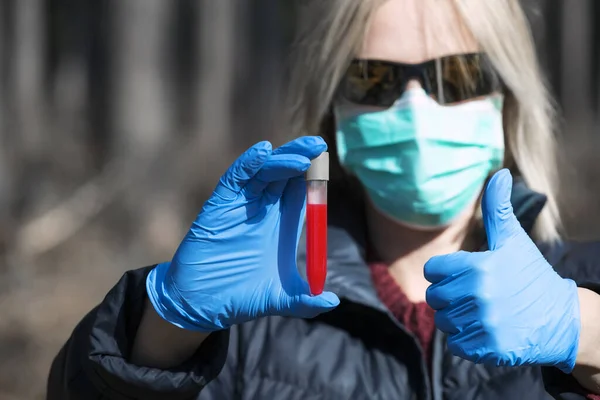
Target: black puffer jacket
357, 351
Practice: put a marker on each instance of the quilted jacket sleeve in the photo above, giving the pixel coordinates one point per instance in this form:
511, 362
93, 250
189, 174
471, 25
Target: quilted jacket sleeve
580, 262
93, 364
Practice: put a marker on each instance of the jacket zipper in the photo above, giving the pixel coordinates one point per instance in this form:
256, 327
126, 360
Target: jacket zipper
429, 383
437, 359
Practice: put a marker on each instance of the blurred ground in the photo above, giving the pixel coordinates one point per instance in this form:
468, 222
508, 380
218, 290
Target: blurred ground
37, 319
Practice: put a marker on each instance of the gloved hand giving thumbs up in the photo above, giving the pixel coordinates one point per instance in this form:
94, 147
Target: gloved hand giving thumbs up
238, 260
506, 306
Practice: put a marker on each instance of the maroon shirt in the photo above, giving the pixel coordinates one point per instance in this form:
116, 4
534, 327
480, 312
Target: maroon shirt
416, 317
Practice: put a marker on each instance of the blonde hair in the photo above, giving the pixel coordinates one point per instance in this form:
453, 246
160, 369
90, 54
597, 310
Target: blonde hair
331, 32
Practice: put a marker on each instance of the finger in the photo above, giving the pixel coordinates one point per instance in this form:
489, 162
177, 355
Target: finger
275, 190
293, 198
243, 169
277, 169
307, 146
444, 322
464, 345
293, 208
456, 318
456, 345
439, 268
311, 306
498, 217
444, 293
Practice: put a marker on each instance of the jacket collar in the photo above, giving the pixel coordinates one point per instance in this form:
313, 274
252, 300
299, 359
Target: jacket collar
348, 274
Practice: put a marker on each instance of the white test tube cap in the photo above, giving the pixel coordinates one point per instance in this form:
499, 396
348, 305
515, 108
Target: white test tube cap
319, 168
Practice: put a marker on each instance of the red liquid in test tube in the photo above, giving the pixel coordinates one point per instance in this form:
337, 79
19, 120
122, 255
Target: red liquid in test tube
316, 223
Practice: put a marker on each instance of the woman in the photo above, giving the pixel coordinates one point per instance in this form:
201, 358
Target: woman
428, 99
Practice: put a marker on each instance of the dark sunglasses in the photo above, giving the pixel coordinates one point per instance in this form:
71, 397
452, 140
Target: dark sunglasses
448, 80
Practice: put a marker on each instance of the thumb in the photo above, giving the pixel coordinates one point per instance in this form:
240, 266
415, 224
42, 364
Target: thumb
243, 170
310, 306
498, 217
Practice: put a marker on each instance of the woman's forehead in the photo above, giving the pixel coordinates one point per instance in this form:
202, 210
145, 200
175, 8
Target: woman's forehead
413, 31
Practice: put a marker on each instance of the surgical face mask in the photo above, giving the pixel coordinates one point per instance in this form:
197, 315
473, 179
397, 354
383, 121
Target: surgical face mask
422, 163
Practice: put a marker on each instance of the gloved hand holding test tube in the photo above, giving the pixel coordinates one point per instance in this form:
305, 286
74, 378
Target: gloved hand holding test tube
238, 260
316, 223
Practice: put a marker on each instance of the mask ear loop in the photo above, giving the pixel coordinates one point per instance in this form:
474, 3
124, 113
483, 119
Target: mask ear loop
438, 77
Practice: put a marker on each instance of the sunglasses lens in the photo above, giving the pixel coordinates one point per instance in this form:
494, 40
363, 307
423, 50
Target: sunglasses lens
448, 80
372, 83
467, 77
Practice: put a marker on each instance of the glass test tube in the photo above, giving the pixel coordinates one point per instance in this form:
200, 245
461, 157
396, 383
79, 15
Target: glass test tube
316, 223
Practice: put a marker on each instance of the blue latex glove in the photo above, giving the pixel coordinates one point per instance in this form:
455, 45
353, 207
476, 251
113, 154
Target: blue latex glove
506, 306
238, 260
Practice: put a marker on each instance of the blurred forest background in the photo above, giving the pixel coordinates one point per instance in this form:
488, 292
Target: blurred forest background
118, 116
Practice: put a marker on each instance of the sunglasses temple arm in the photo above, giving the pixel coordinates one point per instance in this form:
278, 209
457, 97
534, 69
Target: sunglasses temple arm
438, 77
